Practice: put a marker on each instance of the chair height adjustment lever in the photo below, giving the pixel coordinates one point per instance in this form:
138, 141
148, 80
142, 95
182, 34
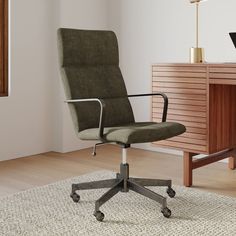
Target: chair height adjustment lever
95, 148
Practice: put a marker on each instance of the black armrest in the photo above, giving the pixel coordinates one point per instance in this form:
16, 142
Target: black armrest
165, 108
102, 112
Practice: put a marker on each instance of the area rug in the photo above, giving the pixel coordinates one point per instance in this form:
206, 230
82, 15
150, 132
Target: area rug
49, 211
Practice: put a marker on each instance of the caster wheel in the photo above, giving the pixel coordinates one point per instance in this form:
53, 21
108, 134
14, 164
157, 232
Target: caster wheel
75, 197
99, 215
117, 175
171, 192
94, 154
166, 212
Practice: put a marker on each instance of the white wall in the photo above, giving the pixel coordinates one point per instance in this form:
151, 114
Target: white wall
163, 31
25, 123
34, 118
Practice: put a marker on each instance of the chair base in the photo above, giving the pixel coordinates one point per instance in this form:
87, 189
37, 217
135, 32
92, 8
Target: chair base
124, 183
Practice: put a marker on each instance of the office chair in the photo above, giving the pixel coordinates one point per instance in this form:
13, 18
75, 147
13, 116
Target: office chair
101, 111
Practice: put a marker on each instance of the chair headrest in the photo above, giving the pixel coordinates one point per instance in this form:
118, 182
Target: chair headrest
87, 47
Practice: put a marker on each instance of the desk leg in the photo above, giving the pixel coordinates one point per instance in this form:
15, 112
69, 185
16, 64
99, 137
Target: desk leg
232, 163
188, 169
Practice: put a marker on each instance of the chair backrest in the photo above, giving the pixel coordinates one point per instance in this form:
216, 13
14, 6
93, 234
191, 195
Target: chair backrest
89, 62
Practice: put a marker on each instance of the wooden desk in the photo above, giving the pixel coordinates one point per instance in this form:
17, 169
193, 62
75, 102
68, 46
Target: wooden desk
203, 98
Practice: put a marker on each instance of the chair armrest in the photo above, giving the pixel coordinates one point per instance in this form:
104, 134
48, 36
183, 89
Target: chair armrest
102, 112
165, 98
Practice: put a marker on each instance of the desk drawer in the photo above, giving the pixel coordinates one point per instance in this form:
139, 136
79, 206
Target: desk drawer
219, 75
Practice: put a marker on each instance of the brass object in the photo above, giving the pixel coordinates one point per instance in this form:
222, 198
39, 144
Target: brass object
196, 55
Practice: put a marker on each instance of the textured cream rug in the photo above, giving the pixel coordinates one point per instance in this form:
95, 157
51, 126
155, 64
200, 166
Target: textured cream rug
49, 211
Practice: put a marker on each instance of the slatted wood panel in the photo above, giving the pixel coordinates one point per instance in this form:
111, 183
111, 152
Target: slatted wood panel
219, 75
186, 88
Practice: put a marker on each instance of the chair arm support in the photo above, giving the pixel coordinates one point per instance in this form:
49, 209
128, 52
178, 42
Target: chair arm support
102, 112
165, 98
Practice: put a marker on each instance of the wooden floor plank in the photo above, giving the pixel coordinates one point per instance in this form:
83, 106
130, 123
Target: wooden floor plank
24, 173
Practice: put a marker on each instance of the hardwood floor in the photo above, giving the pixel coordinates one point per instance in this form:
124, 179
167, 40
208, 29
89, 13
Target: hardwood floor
24, 173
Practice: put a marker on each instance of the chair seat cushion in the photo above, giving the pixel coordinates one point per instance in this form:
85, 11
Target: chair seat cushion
139, 132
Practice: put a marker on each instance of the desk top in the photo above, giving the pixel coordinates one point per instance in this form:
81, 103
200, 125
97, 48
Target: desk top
213, 64
216, 73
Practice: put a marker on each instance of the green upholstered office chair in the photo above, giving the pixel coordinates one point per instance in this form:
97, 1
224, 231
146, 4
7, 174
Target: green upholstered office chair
101, 110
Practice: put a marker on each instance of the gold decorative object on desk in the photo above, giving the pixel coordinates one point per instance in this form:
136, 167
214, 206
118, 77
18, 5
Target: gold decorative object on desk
197, 54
